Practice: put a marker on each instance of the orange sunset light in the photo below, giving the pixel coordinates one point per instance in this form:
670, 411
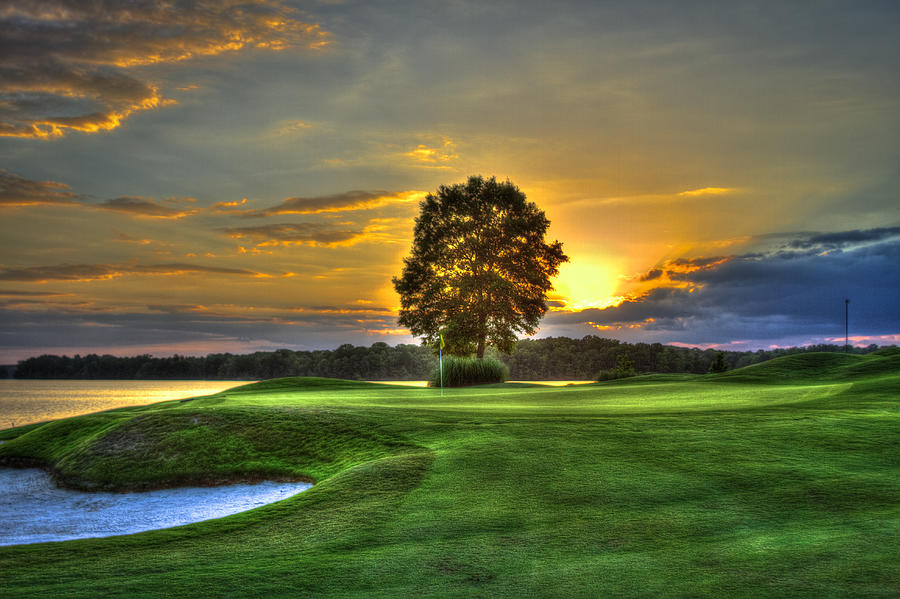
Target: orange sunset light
716, 177
583, 285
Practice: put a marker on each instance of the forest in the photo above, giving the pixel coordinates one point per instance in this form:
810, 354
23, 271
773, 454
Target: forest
551, 358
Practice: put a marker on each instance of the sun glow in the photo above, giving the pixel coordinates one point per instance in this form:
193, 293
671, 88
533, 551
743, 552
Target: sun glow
580, 286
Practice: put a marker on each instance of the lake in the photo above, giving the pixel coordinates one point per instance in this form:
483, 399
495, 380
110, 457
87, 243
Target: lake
31, 400
23, 401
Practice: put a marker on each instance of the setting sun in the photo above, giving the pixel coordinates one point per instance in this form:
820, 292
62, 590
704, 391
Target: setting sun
583, 285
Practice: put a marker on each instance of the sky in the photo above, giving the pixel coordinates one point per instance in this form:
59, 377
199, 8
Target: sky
244, 175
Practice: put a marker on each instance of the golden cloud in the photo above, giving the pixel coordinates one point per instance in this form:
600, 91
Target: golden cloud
99, 272
706, 191
660, 198
293, 234
341, 202
66, 66
388, 332
619, 326
433, 155
234, 208
144, 207
672, 270
18, 191
123, 238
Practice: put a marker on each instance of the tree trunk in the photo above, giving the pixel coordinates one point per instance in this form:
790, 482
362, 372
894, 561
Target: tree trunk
482, 337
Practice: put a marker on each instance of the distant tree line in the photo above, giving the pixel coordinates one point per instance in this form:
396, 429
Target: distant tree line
552, 358
378, 362
562, 358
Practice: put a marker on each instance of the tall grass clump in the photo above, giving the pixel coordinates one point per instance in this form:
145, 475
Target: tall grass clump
459, 372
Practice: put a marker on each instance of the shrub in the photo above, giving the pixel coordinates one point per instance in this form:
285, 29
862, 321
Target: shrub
624, 369
612, 374
459, 372
718, 365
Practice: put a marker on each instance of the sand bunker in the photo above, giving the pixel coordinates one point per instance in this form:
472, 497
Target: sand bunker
34, 510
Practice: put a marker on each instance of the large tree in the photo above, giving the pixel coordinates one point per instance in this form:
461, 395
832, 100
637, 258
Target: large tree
480, 270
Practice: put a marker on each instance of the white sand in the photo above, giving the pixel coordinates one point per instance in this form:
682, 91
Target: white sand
34, 510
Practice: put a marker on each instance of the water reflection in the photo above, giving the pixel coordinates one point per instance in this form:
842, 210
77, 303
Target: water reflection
34, 510
26, 401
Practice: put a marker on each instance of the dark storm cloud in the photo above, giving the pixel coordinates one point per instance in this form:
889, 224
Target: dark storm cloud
771, 295
91, 272
809, 286
65, 63
18, 191
842, 239
293, 233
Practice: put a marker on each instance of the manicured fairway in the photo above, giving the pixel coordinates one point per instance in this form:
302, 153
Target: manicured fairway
755, 483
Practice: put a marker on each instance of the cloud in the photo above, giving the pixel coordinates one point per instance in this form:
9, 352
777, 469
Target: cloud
123, 238
340, 202
705, 191
189, 328
844, 239
652, 274
764, 296
95, 272
45, 99
229, 206
433, 155
703, 195
69, 66
15, 293
290, 127
293, 234
656, 304
678, 269
681, 268
18, 191
233, 208
137, 206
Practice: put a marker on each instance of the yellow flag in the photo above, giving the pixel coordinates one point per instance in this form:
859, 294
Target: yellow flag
442, 340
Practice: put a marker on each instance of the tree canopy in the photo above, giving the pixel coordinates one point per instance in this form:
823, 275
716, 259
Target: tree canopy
479, 270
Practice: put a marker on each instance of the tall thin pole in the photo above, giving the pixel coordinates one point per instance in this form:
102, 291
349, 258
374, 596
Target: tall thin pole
846, 325
441, 353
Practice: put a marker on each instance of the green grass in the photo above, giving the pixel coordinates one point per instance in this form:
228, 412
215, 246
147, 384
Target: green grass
781, 479
815, 367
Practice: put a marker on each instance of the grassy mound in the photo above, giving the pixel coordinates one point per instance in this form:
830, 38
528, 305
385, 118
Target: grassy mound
821, 367
886, 351
462, 372
175, 447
